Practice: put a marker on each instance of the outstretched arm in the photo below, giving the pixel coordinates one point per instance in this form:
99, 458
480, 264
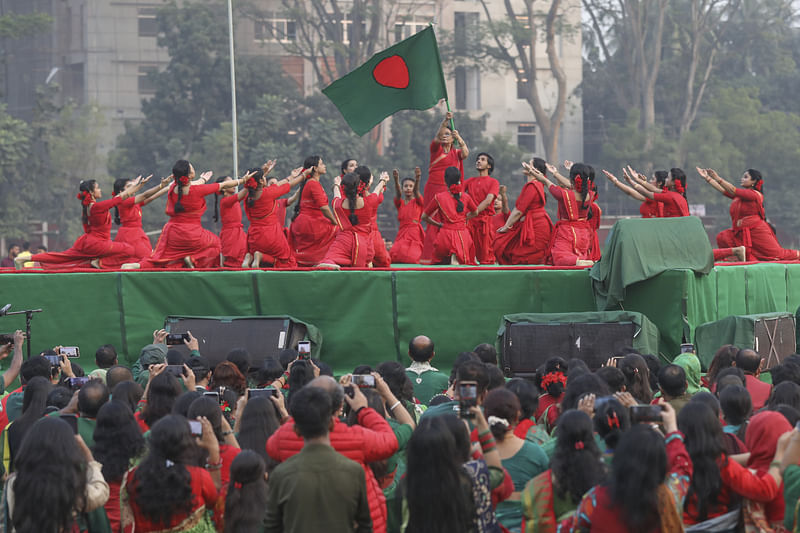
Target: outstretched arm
382, 181
705, 175
727, 186
396, 178
154, 193
417, 175
504, 199
337, 187
515, 215
530, 170
462, 144
562, 181
630, 191
293, 198
443, 126
641, 178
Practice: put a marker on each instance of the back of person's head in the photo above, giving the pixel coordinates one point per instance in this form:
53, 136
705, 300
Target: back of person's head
736, 404
527, 394
51, 471
257, 424
286, 356
434, 467
709, 399
34, 398
241, 358
723, 358
363, 369
247, 494
672, 380
576, 367
58, 398
501, 408
324, 368
209, 408
394, 374
791, 414
788, 370
474, 371
705, 443
787, 393
117, 440
332, 387
653, 366
554, 377
487, 353
611, 420
421, 349
637, 377
748, 360
117, 374
730, 376
374, 401
496, 377
613, 377
461, 358
105, 356
301, 373
184, 401
164, 389
268, 371
128, 392
35, 366
226, 374
91, 398
200, 367
175, 357
579, 387
311, 410
638, 468
576, 461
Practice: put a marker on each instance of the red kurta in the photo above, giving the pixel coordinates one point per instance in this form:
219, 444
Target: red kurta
266, 234
480, 227
233, 239
453, 237
439, 162
353, 244
95, 243
184, 235
311, 232
381, 258
674, 203
573, 236
130, 230
407, 247
527, 241
651, 209
749, 229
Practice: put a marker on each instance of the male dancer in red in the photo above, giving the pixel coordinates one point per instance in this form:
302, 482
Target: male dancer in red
483, 189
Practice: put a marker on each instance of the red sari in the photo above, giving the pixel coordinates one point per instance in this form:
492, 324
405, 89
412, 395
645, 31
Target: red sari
311, 232
674, 204
352, 246
453, 237
527, 241
183, 235
749, 229
573, 236
130, 230
95, 243
439, 162
233, 239
407, 246
381, 258
266, 233
480, 227
651, 209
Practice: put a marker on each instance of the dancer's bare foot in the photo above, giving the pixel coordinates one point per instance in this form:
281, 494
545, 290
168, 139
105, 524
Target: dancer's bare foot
95, 263
257, 259
584, 262
188, 261
454, 260
19, 262
740, 252
329, 266
130, 266
247, 260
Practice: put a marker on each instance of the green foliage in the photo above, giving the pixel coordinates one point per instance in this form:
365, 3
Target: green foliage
13, 26
15, 188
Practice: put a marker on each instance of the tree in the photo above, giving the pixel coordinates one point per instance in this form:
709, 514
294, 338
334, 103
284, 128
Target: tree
15, 191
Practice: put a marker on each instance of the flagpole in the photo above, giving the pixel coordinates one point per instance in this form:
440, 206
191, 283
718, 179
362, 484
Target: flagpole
233, 94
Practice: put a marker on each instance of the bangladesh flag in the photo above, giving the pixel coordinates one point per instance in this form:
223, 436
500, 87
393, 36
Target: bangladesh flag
407, 75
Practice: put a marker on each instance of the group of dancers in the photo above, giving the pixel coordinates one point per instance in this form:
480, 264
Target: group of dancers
468, 221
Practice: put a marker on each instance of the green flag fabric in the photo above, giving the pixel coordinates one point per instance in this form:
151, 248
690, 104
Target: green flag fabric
407, 75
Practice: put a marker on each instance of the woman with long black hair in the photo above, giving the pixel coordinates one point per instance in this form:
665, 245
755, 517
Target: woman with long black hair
649, 208
255, 423
128, 216
313, 224
56, 479
673, 196
247, 494
449, 211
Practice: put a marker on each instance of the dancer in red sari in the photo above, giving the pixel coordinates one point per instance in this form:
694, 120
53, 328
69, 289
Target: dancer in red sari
128, 216
483, 189
352, 246
443, 156
502, 212
453, 243
673, 197
183, 240
380, 259
525, 236
407, 247
313, 226
748, 219
266, 239
649, 208
94, 248
232, 237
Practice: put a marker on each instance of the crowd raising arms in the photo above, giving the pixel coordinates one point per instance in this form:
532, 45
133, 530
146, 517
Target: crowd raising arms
473, 214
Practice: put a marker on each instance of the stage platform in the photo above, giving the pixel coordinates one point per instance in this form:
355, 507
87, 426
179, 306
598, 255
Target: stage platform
369, 316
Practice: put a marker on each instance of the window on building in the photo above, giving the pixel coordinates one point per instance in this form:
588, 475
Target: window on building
348, 26
526, 137
522, 85
275, 28
146, 83
468, 88
148, 25
407, 28
464, 28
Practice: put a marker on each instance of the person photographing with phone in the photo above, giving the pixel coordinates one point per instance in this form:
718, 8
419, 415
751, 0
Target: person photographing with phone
11, 344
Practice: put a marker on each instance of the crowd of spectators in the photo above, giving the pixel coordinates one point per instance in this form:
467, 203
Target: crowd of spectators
175, 443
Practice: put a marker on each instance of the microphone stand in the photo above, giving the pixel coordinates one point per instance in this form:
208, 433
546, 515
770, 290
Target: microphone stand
28, 318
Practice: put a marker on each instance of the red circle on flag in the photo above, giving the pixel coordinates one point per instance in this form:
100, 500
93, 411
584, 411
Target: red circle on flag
392, 72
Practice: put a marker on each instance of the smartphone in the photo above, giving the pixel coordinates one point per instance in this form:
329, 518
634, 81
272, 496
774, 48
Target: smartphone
350, 391
616, 360
365, 381
687, 347
196, 428
175, 370
645, 413
467, 397
266, 392
176, 338
73, 352
213, 395
77, 383
54, 360
304, 349
72, 420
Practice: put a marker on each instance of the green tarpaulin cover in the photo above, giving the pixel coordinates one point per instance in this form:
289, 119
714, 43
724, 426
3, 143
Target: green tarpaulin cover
737, 330
639, 249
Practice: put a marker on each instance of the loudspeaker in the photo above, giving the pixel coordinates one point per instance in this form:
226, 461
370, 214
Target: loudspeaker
526, 346
772, 335
774, 339
261, 336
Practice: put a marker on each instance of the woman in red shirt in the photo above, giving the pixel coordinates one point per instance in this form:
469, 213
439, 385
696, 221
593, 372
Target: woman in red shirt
167, 492
526, 243
205, 407
749, 222
453, 208
128, 216
313, 225
673, 197
407, 247
94, 248
649, 207
232, 237
183, 240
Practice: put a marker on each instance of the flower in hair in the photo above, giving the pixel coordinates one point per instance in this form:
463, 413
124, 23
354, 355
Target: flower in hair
225, 407
85, 197
496, 420
362, 187
455, 188
758, 184
578, 183
678, 186
579, 445
182, 180
552, 378
613, 420
237, 485
251, 184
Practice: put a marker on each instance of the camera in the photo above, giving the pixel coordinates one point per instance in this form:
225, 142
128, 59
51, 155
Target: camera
73, 352
213, 395
364, 381
304, 349
467, 397
645, 413
687, 347
175, 370
176, 338
266, 392
77, 383
196, 428
55, 360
